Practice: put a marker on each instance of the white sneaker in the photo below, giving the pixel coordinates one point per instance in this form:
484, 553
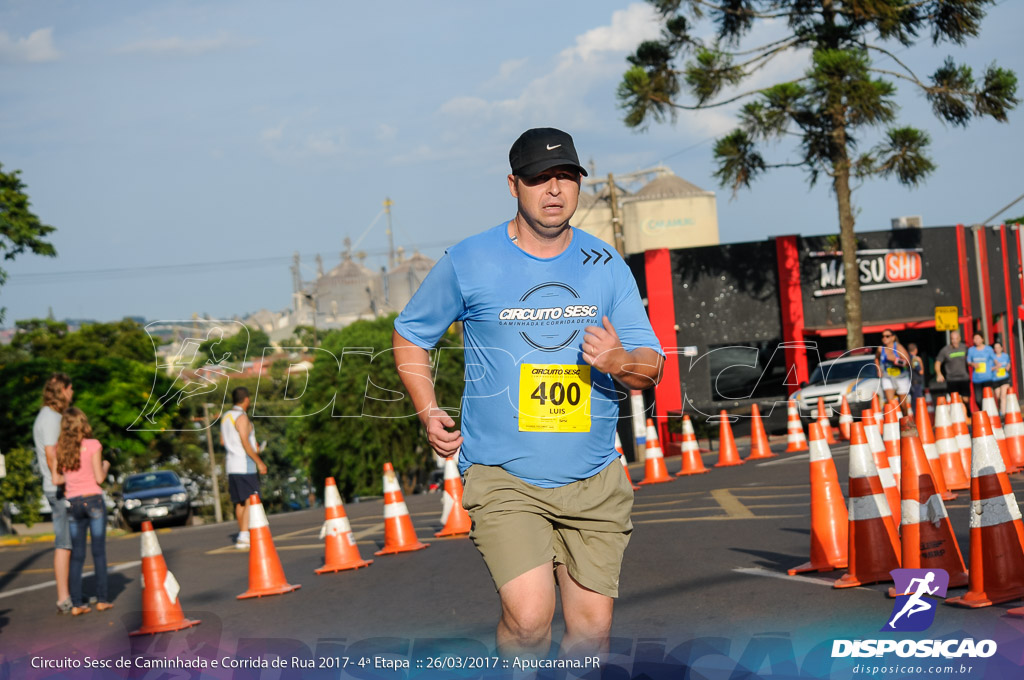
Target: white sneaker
242, 545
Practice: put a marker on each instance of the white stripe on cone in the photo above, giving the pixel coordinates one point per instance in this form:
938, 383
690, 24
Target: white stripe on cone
391, 483
171, 587
819, 451
335, 527
447, 502
257, 517
986, 460
959, 415
652, 436
393, 510
332, 497
885, 475
992, 511
869, 507
150, 546
932, 511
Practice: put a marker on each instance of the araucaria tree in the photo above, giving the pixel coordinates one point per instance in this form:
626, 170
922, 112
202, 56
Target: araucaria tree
848, 89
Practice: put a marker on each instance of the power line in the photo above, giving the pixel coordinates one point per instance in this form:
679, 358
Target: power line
115, 273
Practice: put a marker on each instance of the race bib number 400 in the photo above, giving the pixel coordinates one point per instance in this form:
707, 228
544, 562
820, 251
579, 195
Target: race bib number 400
554, 398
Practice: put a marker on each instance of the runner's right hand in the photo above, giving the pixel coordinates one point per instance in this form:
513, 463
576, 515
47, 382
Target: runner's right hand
444, 442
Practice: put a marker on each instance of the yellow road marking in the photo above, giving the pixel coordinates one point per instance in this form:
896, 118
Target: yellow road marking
732, 505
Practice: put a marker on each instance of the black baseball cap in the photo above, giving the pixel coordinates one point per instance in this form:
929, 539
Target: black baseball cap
538, 149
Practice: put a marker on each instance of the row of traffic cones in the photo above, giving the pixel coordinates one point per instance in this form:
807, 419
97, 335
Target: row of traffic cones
161, 610
864, 539
655, 471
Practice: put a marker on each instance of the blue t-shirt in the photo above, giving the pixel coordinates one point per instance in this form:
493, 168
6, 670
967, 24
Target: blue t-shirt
1002, 370
985, 363
525, 406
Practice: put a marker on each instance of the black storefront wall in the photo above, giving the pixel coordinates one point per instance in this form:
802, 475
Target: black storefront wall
728, 310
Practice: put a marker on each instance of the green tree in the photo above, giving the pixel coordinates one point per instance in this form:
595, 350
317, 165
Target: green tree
304, 336
20, 229
828, 109
45, 338
242, 346
22, 485
353, 415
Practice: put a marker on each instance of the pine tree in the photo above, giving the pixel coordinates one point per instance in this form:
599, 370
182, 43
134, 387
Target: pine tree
830, 108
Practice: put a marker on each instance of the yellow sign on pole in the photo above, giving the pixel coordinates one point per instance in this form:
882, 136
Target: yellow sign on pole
947, 318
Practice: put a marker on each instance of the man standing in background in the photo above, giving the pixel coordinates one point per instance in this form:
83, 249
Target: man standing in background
242, 463
951, 367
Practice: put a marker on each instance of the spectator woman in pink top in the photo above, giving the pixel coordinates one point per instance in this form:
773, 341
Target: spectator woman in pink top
80, 463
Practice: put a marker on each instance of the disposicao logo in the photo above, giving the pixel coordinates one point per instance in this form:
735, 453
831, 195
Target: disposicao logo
913, 612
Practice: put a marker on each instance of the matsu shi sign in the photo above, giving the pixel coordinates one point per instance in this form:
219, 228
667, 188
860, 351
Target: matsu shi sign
879, 269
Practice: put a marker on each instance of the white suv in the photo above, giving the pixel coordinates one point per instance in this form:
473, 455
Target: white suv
854, 376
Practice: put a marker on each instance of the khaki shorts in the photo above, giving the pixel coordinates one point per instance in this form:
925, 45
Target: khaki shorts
584, 525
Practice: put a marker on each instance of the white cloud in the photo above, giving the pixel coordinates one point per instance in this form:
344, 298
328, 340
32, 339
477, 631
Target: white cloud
272, 134
36, 48
594, 61
510, 66
191, 47
385, 132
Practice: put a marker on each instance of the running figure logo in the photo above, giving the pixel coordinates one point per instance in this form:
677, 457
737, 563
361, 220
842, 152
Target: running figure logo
912, 612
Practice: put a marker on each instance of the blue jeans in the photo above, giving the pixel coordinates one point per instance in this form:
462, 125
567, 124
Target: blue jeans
88, 514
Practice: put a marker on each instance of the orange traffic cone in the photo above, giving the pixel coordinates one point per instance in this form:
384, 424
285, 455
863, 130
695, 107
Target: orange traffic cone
958, 417
830, 523
454, 518
161, 611
931, 452
874, 547
1013, 429
885, 475
891, 439
759, 446
997, 534
340, 549
266, 577
622, 459
655, 471
988, 404
727, 453
929, 403
693, 464
877, 412
926, 534
399, 534
823, 422
949, 452
795, 439
845, 420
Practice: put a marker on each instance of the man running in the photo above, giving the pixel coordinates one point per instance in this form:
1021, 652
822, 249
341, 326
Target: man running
552, 320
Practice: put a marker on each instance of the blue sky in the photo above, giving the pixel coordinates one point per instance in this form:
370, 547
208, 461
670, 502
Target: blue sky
162, 134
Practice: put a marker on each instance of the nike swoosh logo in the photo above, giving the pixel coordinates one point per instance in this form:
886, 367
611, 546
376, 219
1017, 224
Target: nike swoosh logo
552, 148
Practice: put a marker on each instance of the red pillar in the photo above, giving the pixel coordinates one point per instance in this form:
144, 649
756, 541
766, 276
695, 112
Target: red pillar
1008, 343
965, 287
661, 308
791, 301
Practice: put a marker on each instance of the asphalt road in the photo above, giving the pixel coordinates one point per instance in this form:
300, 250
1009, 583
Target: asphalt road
704, 579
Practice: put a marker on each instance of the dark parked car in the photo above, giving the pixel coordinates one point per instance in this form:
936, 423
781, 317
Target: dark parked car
156, 496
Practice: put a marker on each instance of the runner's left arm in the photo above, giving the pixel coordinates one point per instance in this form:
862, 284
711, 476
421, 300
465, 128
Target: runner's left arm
637, 369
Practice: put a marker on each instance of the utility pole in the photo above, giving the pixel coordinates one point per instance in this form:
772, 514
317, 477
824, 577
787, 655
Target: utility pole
218, 516
391, 239
616, 220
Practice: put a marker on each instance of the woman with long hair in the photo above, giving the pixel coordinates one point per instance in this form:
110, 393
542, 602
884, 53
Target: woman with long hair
83, 469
